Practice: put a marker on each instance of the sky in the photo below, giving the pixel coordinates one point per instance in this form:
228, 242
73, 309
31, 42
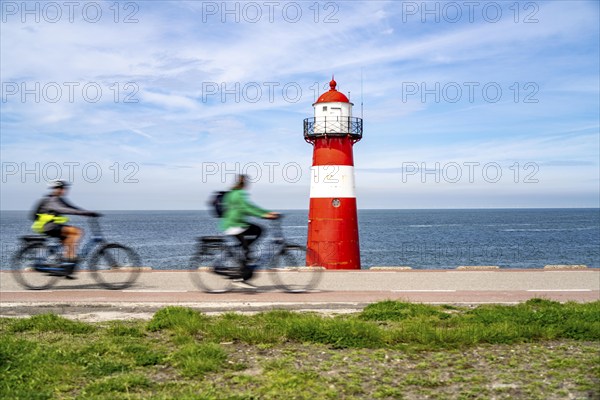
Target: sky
156, 104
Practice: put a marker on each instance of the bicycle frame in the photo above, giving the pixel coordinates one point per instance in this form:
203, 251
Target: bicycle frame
95, 239
277, 243
101, 258
230, 247
218, 259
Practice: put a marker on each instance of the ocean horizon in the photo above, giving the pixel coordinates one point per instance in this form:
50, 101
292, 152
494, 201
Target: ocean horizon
518, 238
360, 209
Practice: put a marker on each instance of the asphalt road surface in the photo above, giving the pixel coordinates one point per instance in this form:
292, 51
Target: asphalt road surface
339, 291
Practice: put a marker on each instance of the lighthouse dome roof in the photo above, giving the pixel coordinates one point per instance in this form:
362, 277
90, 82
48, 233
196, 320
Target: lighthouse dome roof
332, 95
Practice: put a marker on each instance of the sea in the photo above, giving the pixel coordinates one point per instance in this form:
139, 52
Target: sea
421, 239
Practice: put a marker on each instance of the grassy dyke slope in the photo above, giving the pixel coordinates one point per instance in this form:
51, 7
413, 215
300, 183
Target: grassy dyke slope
391, 350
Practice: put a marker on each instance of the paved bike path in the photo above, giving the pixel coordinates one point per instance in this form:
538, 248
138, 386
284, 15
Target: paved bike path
338, 291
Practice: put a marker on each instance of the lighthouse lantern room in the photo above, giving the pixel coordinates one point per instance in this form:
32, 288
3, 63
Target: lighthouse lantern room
332, 217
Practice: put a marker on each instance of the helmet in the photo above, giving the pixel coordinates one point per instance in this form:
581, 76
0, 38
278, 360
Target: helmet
59, 184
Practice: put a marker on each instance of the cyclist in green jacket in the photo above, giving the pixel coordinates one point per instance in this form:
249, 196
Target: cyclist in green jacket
237, 208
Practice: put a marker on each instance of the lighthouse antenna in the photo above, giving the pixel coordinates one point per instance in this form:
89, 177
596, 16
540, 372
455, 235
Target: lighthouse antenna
361, 93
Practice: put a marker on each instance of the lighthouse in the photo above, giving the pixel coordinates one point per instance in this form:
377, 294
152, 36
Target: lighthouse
332, 217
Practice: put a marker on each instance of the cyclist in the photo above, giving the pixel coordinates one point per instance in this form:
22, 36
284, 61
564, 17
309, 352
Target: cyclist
48, 219
237, 208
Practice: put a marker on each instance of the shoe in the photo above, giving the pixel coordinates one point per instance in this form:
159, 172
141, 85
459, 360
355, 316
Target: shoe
64, 269
230, 273
69, 261
241, 284
69, 267
64, 273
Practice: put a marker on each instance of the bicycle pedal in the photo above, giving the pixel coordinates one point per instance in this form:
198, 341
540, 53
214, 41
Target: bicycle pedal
228, 272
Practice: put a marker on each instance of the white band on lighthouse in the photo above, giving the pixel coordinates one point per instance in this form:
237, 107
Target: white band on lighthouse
330, 181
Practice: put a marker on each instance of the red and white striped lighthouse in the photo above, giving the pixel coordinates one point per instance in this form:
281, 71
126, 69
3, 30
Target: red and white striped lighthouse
332, 218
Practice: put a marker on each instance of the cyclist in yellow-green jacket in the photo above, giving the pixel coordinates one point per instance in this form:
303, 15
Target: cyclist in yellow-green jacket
237, 209
49, 220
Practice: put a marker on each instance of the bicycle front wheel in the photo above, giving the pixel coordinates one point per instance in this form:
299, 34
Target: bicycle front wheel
115, 266
24, 264
292, 272
212, 271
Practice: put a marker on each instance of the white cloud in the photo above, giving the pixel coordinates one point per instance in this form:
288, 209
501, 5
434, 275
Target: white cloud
168, 55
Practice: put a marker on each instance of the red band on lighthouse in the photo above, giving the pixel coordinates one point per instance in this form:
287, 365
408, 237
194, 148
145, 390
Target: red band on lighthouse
333, 151
333, 222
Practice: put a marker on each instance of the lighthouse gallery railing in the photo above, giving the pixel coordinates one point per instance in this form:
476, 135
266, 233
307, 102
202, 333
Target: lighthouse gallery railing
334, 127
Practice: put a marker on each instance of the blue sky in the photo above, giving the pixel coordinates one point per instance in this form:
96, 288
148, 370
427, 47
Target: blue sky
154, 105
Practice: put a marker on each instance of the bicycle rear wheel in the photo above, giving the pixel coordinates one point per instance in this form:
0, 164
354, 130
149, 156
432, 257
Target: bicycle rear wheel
213, 270
24, 263
291, 271
115, 266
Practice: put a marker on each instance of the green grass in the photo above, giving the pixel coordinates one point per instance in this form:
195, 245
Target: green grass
392, 323
537, 349
49, 323
196, 359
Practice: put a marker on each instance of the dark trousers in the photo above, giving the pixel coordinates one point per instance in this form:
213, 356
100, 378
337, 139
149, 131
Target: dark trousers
246, 239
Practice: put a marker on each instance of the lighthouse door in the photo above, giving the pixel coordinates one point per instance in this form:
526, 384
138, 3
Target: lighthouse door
335, 116
335, 112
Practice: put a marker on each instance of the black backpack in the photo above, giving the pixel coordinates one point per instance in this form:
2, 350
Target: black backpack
217, 204
36, 210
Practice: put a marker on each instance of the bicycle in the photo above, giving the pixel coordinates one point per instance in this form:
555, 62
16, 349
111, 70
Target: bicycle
37, 264
218, 260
